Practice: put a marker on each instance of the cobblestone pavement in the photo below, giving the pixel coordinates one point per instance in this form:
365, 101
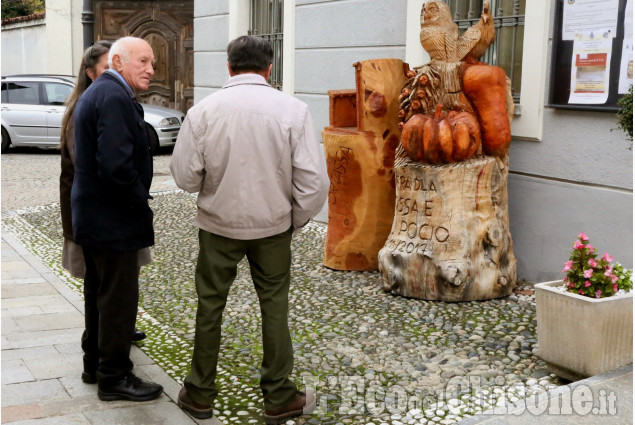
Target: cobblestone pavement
373, 358
30, 177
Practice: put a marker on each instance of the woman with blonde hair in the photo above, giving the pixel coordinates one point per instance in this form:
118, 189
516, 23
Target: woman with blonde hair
94, 63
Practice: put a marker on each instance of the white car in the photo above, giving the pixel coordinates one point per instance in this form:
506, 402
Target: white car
33, 107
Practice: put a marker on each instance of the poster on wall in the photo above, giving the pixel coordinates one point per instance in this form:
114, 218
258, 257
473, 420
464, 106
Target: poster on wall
592, 54
588, 16
590, 68
626, 64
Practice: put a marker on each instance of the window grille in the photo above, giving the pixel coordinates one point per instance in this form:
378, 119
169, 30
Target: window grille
266, 21
509, 21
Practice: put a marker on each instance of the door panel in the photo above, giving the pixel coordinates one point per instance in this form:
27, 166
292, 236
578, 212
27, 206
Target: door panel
56, 94
24, 114
162, 87
168, 26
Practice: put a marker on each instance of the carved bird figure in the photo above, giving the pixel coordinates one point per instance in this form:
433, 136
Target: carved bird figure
475, 40
439, 34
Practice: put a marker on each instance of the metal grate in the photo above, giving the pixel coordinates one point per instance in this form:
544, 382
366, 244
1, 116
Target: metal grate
266, 21
509, 21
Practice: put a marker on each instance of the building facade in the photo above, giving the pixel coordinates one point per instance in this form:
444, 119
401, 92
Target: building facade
49, 43
569, 172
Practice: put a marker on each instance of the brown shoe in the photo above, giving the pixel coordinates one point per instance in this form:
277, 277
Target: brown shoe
199, 411
302, 404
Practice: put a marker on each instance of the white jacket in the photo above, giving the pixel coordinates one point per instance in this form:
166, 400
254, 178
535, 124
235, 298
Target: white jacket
250, 152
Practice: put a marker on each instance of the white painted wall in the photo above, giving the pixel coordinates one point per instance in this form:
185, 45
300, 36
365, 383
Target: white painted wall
24, 48
77, 37
59, 37
52, 45
211, 35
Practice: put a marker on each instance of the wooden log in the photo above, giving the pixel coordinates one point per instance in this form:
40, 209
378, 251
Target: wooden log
360, 166
450, 238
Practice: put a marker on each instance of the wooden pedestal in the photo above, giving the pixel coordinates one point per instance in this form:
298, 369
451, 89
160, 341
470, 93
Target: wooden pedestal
450, 238
360, 151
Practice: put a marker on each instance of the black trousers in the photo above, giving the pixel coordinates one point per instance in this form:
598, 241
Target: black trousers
111, 296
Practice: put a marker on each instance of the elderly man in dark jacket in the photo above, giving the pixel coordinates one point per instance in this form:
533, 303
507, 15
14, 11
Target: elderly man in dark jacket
111, 216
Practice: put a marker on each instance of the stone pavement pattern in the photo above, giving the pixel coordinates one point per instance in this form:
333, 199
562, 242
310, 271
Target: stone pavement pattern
30, 177
342, 322
619, 411
42, 323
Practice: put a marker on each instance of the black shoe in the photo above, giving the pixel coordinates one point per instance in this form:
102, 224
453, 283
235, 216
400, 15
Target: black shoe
138, 335
130, 388
89, 377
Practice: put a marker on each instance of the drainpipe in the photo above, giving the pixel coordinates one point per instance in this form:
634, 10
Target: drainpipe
88, 21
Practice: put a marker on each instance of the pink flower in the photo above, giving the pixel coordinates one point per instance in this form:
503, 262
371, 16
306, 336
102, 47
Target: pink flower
583, 236
614, 278
588, 273
578, 245
615, 288
608, 272
587, 284
592, 262
567, 266
571, 285
607, 257
598, 293
591, 249
581, 292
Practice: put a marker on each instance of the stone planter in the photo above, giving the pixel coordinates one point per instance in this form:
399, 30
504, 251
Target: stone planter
580, 336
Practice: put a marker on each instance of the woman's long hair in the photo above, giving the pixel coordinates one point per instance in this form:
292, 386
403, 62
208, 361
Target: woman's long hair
89, 61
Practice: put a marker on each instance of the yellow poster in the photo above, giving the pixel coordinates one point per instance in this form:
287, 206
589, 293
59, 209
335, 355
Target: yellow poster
590, 70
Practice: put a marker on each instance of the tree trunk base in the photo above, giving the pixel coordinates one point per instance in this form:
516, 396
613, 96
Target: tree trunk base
360, 151
450, 238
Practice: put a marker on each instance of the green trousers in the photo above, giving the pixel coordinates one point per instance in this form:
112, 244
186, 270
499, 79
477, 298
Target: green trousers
270, 265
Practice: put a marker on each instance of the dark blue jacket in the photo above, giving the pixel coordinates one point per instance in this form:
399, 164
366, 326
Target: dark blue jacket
113, 169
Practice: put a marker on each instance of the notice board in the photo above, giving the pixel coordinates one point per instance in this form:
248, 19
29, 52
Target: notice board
592, 54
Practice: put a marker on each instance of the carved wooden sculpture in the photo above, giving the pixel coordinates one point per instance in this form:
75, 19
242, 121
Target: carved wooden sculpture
450, 236
360, 151
456, 81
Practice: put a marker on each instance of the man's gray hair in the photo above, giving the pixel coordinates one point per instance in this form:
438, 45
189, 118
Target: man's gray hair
121, 47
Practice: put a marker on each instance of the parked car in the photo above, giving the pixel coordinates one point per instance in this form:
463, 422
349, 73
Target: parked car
33, 107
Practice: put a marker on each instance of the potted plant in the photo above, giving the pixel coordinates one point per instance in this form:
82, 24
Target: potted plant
585, 321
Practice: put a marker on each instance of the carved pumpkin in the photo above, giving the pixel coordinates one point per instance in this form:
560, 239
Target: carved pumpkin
441, 138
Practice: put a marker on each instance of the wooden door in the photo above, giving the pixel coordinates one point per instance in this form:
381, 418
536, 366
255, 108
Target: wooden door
168, 26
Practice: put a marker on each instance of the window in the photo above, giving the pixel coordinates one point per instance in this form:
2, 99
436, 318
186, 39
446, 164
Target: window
266, 21
509, 21
22, 93
57, 93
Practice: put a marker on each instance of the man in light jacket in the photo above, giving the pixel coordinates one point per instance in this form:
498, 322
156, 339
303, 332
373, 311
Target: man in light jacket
250, 152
